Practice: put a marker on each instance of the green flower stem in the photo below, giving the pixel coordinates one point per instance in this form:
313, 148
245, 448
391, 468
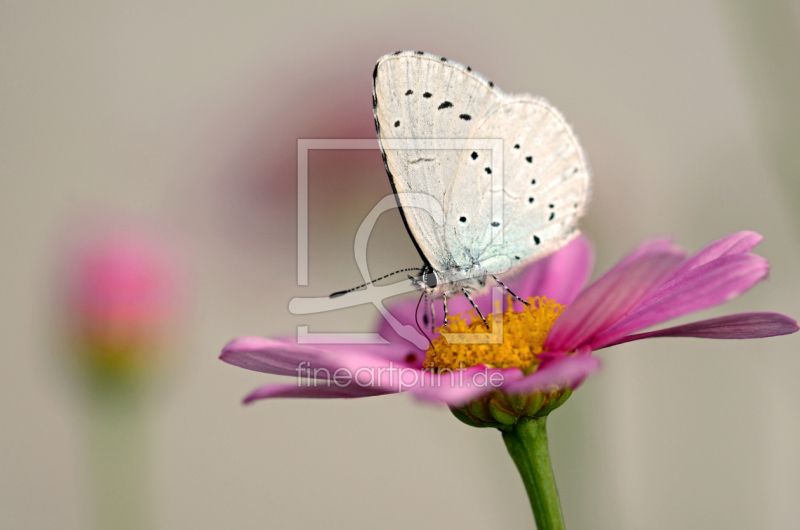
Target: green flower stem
118, 457
526, 442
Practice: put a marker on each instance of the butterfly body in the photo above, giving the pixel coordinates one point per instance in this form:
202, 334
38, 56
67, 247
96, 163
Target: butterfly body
451, 281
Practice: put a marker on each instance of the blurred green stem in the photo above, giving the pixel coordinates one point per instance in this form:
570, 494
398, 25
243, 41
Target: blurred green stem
118, 457
767, 36
526, 442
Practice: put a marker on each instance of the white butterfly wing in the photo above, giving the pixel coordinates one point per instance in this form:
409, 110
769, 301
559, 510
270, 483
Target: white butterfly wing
544, 187
424, 101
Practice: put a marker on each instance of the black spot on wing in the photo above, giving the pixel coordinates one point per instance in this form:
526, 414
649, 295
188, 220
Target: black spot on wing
465, 117
426, 95
444, 60
530, 200
516, 146
491, 84
398, 53
462, 219
536, 240
409, 92
495, 223
552, 215
533, 181
474, 155
420, 53
445, 105
488, 171
397, 123
529, 159
469, 69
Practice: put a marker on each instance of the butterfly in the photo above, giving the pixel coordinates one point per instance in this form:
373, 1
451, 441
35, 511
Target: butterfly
506, 173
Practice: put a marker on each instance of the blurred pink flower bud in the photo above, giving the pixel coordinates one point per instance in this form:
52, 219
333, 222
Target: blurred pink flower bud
122, 297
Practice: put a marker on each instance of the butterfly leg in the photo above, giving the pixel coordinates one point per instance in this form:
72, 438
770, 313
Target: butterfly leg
433, 314
444, 300
475, 307
425, 319
512, 293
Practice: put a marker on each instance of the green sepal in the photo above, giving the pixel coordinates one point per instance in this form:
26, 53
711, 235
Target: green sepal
479, 410
464, 418
506, 418
503, 411
554, 403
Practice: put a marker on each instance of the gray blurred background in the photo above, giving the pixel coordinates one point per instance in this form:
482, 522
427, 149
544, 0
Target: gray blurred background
186, 115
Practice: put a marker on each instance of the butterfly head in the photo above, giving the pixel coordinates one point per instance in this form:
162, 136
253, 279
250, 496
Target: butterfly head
428, 281
450, 282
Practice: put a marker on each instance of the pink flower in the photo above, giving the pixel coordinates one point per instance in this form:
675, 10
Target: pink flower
122, 292
546, 347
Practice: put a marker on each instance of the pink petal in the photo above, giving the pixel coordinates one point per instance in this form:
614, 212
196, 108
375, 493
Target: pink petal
462, 386
404, 311
560, 276
453, 388
731, 245
356, 368
268, 356
704, 286
320, 390
281, 357
614, 295
740, 326
661, 244
568, 371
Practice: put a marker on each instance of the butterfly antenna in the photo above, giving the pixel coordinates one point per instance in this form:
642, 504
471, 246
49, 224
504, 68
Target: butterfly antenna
475, 307
510, 291
341, 293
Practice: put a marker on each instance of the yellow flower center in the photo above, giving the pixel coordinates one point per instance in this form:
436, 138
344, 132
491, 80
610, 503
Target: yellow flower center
523, 338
